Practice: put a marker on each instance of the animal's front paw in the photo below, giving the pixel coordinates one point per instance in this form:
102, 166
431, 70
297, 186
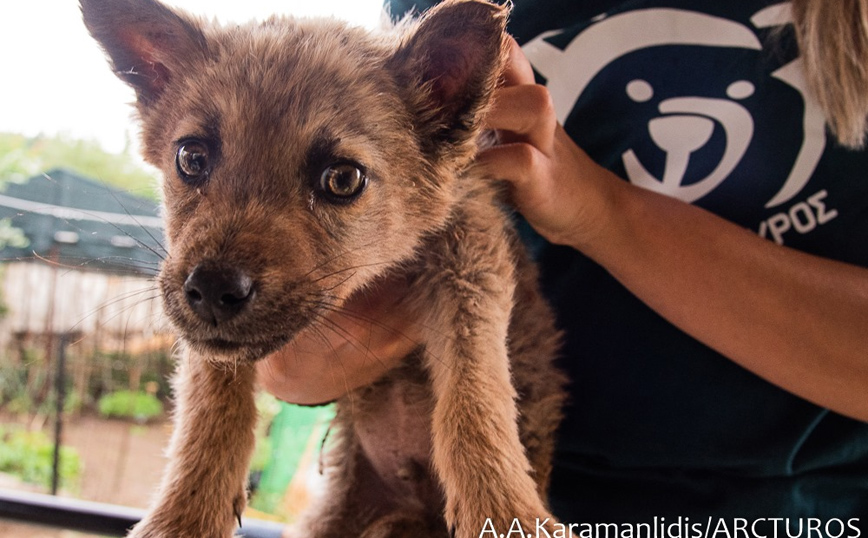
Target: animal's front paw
238, 506
156, 527
173, 518
179, 532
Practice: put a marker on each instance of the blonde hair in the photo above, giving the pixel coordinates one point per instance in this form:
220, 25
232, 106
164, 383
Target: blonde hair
833, 40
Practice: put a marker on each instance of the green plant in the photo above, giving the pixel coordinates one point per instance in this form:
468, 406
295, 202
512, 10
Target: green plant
140, 406
267, 407
30, 456
17, 398
13, 384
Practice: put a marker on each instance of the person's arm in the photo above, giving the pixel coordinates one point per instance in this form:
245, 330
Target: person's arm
797, 320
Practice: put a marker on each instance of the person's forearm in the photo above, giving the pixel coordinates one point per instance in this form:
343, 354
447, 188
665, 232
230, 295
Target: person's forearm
797, 320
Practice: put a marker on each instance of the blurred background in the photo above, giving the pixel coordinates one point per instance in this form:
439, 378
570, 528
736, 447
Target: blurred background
85, 355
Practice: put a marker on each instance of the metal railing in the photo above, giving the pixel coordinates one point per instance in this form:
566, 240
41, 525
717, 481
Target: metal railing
96, 518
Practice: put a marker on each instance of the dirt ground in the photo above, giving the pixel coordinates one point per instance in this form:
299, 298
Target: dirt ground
130, 458
121, 463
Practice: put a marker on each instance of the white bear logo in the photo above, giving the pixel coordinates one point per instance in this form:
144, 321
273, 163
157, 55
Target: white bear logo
685, 123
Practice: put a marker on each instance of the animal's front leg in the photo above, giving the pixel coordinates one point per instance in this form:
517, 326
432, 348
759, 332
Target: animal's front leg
477, 452
204, 485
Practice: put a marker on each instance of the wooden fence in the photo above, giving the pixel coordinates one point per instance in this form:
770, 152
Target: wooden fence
119, 337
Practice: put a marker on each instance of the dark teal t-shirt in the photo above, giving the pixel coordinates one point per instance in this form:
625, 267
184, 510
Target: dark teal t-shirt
704, 101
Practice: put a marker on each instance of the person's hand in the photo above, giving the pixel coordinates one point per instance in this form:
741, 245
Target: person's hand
349, 348
562, 193
800, 319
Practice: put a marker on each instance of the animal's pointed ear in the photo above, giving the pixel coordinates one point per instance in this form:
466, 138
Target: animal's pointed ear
449, 66
147, 43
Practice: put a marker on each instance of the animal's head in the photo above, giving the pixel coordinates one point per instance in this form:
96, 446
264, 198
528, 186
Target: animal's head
300, 158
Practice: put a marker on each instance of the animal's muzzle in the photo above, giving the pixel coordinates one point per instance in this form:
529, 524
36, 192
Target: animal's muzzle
217, 292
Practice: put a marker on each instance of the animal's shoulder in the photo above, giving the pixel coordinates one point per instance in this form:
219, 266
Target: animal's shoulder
478, 240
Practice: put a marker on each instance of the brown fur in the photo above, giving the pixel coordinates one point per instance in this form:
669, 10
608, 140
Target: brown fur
463, 429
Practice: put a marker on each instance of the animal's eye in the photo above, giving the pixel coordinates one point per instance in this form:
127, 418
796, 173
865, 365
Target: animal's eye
192, 161
343, 182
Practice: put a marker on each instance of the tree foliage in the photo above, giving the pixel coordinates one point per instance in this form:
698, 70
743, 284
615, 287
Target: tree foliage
22, 157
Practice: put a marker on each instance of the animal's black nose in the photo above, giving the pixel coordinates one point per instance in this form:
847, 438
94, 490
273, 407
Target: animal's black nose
217, 293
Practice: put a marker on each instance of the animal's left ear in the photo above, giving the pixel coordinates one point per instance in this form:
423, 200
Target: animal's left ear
449, 67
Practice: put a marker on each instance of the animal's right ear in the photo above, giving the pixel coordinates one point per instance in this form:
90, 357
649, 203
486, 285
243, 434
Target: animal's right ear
147, 43
448, 67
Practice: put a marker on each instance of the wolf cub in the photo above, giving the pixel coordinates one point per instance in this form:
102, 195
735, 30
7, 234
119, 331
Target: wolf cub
302, 161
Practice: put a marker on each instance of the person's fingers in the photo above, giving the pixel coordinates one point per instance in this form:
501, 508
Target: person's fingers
524, 169
517, 163
524, 114
518, 69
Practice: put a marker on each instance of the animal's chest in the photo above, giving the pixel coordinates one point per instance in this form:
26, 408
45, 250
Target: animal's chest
393, 427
